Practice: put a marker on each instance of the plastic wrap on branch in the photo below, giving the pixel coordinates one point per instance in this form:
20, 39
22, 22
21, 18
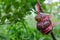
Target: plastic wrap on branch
44, 23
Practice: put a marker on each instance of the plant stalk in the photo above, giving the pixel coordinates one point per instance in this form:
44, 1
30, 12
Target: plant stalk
53, 36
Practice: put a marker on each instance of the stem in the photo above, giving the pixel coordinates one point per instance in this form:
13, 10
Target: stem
53, 36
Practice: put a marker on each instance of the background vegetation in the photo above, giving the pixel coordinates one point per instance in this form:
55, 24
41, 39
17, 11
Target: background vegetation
17, 20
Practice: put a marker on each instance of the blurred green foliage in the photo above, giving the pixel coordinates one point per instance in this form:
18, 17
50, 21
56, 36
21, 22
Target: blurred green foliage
15, 10
19, 31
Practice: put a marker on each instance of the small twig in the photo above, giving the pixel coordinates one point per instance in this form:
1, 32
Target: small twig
53, 36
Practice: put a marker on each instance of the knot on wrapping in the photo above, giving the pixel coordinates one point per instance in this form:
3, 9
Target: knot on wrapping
44, 24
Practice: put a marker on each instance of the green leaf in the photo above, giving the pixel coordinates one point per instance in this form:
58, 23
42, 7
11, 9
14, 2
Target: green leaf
3, 19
